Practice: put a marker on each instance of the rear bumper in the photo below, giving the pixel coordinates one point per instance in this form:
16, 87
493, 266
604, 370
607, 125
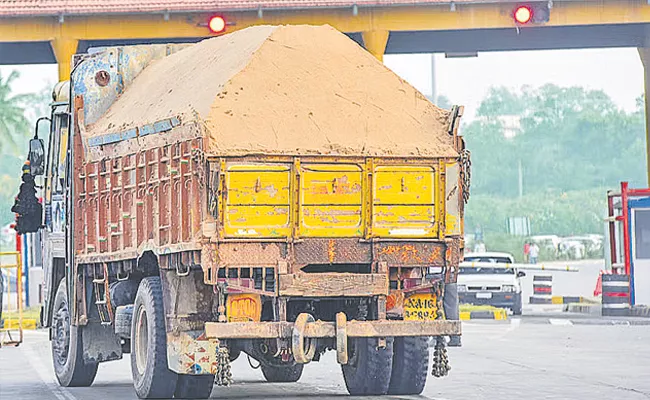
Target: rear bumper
320, 329
499, 299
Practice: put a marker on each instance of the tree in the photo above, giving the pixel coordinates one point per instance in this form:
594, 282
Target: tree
13, 124
570, 140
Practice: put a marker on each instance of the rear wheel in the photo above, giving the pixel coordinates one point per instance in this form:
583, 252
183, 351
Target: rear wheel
152, 378
194, 386
290, 373
410, 363
67, 351
369, 367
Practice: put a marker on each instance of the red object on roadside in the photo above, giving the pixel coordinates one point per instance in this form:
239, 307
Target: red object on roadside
19, 243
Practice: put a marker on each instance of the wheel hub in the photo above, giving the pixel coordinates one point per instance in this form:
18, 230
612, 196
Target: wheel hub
61, 337
141, 340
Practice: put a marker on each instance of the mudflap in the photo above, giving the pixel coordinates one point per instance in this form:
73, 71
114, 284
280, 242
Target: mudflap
100, 343
191, 353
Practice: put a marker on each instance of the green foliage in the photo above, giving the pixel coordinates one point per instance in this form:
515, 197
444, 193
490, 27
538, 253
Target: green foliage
14, 126
17, 116
572, 143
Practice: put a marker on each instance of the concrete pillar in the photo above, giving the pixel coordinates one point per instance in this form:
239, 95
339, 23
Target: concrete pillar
64, 48
375, 43
645, 59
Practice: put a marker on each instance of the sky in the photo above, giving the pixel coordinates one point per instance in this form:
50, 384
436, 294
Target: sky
465, 81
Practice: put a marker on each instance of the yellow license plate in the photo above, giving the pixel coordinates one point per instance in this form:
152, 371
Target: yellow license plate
420, 307
244, 308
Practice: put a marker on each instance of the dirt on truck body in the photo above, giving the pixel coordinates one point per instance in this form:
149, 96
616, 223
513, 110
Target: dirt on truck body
276, 191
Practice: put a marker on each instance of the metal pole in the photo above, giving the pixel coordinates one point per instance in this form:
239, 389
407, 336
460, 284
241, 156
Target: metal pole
434, 95
626, 227
612, 229
26, 260
644, 53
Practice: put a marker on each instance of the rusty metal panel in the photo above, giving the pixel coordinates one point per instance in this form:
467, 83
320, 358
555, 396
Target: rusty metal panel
150, 199
332, 284
332, 251
411, 253
251, 253
320, 329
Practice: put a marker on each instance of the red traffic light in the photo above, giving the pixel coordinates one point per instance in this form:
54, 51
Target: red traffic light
217, 24
523, 14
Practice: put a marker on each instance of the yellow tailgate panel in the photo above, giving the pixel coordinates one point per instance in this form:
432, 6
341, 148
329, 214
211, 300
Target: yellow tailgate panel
404, 201
257, 202
330, 200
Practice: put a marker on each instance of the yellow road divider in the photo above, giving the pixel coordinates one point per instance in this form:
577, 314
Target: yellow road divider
469, 312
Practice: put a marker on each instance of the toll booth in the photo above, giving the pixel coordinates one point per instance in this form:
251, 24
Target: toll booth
629, 240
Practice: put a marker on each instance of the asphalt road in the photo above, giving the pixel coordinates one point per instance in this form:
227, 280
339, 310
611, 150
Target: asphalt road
520, 359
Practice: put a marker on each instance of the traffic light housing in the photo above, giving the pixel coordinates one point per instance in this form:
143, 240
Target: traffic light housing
531, 13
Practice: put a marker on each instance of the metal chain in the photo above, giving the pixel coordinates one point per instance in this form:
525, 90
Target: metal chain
465, 173
223, 376
441, 365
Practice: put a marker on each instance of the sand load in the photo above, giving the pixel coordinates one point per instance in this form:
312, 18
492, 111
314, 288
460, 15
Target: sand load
284, 90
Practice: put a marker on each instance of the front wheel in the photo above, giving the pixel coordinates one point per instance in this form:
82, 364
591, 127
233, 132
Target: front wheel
290, 373
152, 378
369, 367
67, 351
410, 363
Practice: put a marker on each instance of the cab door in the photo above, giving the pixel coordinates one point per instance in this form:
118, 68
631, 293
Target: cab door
55, 208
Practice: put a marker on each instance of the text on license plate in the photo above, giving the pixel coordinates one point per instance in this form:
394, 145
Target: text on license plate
484, 295
420, 307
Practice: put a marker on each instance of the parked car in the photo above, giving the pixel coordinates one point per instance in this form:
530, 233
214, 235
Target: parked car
547, 243
572, 249
496, 285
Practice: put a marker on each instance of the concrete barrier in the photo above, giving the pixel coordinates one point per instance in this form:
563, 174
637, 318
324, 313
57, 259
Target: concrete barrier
616, 295
542, 289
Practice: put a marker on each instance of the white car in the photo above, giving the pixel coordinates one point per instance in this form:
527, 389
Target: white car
490, 285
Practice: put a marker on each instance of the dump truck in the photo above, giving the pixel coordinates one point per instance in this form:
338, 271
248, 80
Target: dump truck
276, 192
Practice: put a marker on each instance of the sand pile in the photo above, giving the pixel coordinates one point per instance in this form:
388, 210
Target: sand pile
285, 90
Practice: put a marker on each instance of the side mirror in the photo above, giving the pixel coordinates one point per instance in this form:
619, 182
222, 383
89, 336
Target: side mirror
521, 274
36, 157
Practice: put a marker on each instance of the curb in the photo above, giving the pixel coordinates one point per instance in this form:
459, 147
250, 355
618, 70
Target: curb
499, 314
567, 299
640, 311
584, 308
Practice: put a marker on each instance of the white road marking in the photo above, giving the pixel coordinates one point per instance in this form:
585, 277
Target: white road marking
37, 365
561, 322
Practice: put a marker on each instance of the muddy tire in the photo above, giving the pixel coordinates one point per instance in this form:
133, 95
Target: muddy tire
410, 365
282, 374
369, 368
194, 386
67, 350
152, 378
